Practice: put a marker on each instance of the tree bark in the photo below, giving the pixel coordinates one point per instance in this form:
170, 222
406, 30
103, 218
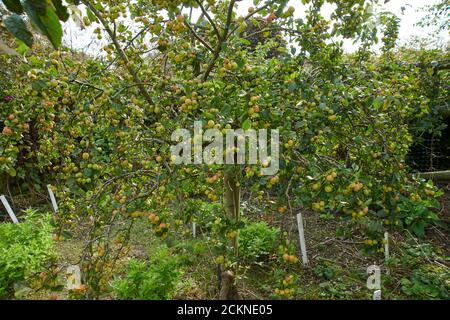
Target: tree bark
228, 289
232, 203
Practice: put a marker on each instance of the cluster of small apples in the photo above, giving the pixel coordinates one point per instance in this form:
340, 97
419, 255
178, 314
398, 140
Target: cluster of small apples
415, 197
288, 258
288, 280
161, 228
178, 223
319, 206
81, 179
370, 242
189, 104
249, 172
211, 194
167, 4
15, 125
213, 179
254, 108
330, 177
375, 244
273, 180
228, 66
98, 32
287, 291
177, 25
115, 12
354, 187
282, 210
163, 44
121, 197
360, 213
289, 144
232, 234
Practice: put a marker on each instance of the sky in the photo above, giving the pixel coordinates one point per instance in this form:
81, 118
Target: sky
409, 11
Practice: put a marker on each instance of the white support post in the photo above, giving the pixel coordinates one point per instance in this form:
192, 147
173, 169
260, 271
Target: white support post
194, 229
377, 295
386, 245
52, 198
8, 209
301, 234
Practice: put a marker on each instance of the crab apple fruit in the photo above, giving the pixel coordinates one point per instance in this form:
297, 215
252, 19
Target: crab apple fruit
333, 117
274, 180
271, 17
282, 210
7, 131
316, 186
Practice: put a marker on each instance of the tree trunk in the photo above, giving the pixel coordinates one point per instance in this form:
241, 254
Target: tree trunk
232, 203
228, 289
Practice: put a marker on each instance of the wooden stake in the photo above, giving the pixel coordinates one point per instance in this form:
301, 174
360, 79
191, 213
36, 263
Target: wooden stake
8, 209
301, 234
194, 229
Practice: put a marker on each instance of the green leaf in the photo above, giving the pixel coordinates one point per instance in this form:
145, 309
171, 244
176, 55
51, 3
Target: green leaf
18, 28
40, 6
11, 171
247, 124
378, 102
22, 47
33, 13
91, 15
46, 21
61, 10
38, 85
13, 5
419, 228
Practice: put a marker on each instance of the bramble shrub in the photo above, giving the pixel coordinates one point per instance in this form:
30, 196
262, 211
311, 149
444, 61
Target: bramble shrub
149, 280
25, 249
257, 240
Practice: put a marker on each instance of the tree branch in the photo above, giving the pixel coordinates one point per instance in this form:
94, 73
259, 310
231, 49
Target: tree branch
205, 13
198, 37
119, 50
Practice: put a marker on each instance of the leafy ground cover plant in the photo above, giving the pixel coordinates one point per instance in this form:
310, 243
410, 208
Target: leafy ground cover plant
149, 280
26, 249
